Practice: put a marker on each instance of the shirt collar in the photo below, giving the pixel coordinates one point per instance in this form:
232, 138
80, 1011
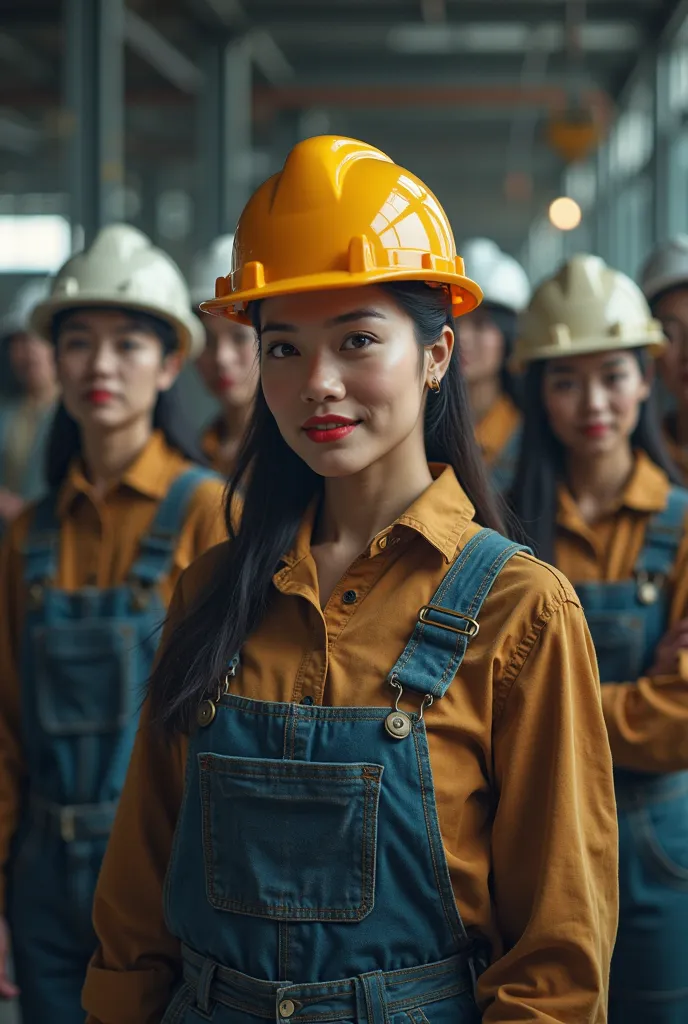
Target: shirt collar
647, 490
440, 515
149, 474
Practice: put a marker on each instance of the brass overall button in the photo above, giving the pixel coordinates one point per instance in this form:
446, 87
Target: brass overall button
287, 1008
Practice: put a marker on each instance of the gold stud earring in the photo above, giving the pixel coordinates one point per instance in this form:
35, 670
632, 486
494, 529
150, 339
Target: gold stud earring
435, 386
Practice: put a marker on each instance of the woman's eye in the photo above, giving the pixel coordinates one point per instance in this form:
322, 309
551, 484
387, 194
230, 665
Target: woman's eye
281, 349
356, 342
563, 385
129, 345
72, 344
615, 378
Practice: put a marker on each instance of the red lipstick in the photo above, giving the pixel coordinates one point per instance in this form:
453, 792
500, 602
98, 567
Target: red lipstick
325, 429
99, 396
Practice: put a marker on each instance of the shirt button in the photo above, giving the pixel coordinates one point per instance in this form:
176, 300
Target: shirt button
286, 1008
308, 701
349, 597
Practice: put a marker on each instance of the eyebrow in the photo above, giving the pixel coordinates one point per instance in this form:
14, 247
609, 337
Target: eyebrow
343, 318
557, 367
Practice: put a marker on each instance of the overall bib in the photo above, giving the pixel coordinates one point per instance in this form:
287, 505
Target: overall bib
649, 978
85, 660
308, 880
503, 469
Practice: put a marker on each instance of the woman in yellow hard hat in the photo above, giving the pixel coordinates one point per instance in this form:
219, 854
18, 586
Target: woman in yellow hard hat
596, 493
228, 363
85, 577
372, 781
486, 337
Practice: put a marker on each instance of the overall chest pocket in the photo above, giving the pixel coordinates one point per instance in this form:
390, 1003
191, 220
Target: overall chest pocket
619, 639
86, 677
290, 840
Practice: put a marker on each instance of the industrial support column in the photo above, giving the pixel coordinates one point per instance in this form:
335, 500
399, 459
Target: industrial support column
226, 138
94, 98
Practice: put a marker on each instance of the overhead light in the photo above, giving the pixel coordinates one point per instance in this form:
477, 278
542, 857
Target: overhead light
565, 213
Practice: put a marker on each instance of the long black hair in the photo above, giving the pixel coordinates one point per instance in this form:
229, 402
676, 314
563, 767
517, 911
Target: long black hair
542, 460
169, 415
277, 487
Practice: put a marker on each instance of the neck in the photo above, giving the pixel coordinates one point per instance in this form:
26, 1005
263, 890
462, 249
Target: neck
482, 395
358, 507
108, 454
42, 394
598, 483
235, 419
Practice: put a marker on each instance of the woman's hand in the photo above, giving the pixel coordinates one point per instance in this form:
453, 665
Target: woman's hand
7, 989
667, 650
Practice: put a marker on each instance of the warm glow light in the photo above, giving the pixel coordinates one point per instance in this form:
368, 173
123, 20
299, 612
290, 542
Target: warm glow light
565, 213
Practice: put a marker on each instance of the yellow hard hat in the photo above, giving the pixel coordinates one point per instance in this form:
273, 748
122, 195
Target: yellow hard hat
338, 215
586, 307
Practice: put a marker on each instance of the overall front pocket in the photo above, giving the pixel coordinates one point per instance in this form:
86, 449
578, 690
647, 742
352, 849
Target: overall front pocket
290, 840
84, 676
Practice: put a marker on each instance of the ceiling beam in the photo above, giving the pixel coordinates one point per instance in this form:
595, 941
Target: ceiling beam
149, 44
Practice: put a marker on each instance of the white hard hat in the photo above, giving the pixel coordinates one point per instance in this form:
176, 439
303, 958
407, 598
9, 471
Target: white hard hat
666, 267
122, 269
502, 278
208, 265
586, 307
18, 315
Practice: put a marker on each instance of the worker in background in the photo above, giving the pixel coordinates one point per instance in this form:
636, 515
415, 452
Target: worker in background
228, 364
664, 279
597, 495
363, 834
27, 409
486, 338
85, 578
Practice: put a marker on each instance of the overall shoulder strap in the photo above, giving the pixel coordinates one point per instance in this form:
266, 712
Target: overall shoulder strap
664, 534
438, 643
156, 548
42, 544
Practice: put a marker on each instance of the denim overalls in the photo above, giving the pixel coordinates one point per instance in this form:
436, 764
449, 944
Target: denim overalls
503, 469
308, 880
649, 980
85, 659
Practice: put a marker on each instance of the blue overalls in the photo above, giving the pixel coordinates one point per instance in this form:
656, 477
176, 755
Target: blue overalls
85, 659
308, 880
503, 469
649, 978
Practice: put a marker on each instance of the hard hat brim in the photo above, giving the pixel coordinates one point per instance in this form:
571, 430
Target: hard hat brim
466, 294
657, 286
191, 343
520, 361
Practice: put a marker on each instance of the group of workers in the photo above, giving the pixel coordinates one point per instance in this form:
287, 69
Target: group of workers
411, 744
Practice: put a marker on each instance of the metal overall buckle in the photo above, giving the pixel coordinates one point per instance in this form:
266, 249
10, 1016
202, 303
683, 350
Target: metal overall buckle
207, 709
648, 586
398, 724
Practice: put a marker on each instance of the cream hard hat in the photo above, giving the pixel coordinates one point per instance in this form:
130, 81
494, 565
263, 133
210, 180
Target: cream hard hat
503, 280
666, 267
207, 266
586, 307
123, 269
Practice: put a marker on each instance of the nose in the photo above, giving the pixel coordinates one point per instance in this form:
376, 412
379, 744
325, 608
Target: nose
595, 396
103, 359
322, 381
